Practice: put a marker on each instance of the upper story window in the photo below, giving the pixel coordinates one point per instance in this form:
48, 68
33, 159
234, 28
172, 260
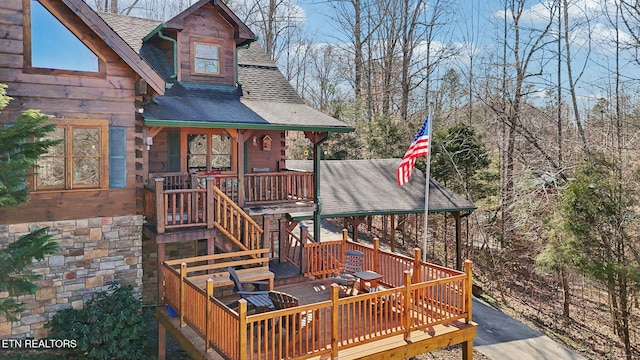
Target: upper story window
206, 58
80, 161
51, 45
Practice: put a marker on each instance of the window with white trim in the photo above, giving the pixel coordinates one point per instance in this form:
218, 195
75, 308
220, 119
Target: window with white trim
206, 58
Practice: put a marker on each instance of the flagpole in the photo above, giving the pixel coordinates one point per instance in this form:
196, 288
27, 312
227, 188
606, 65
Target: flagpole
426, 191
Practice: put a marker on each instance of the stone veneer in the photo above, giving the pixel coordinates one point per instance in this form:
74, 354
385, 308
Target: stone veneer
92, 253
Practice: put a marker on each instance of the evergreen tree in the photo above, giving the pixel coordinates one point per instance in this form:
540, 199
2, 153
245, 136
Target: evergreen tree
20, 146
458, 155
600, 212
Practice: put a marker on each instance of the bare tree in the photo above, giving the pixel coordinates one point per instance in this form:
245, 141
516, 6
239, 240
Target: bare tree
522, 63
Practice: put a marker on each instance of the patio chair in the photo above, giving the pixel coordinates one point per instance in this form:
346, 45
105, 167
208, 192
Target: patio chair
298, 323
259, 299
352, 264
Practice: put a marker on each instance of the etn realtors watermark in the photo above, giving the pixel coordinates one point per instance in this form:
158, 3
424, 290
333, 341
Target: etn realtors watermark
36, 344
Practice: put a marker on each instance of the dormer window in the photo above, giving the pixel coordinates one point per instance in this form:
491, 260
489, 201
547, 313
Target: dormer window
206, 58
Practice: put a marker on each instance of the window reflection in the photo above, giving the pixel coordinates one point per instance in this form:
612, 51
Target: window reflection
53, 46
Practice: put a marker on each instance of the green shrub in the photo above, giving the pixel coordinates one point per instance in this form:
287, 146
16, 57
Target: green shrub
110, 326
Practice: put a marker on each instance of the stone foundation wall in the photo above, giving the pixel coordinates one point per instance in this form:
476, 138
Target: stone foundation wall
92, 254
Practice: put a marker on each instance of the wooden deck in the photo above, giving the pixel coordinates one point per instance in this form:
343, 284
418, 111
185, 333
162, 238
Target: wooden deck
420, 307
311, 292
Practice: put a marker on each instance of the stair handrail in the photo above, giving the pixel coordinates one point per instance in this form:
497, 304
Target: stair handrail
222, 200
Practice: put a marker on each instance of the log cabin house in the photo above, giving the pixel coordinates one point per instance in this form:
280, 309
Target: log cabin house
174, 147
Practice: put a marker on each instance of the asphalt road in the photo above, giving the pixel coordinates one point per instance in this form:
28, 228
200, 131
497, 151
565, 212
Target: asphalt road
499, 337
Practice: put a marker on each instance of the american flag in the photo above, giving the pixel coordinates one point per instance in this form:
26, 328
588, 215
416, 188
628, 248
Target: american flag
419, 147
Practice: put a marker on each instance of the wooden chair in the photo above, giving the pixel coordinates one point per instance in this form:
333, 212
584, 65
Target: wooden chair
352, 263
259, 299
298, 325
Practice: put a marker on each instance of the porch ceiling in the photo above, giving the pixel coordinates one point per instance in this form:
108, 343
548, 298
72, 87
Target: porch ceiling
369, 187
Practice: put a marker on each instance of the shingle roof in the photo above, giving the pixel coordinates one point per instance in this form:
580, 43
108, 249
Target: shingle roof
131, 29
265, 98
369, 187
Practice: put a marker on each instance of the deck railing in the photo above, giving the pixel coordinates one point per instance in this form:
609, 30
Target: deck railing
288, 186
177, 200
328, 325
202, 206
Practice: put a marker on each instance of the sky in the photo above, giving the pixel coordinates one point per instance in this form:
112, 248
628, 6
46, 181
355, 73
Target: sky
477, 24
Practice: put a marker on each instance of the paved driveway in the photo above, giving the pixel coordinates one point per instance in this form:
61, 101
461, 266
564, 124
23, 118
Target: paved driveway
499, 337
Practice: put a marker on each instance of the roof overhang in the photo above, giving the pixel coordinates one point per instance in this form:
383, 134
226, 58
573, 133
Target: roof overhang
232, 125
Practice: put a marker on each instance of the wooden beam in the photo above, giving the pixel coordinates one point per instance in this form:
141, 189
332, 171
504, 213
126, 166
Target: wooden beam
395, 348
315, 137
233, 133
154, 130
355, 221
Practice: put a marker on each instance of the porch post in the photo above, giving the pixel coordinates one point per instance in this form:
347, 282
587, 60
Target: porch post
304, 233
284, 240
456, 217
393, 233
241, 191
160, 211
376, 255
317, 138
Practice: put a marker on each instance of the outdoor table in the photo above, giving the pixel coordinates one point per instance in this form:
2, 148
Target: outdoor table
368, 276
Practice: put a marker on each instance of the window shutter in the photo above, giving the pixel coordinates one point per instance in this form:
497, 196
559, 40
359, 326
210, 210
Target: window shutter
173, 144
117, 157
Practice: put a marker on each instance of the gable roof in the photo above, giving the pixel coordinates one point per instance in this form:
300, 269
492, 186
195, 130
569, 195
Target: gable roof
242, 33
264, 98
115, 42
369, 187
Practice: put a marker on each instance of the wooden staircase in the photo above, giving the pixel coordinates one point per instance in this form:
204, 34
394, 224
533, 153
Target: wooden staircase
234, 223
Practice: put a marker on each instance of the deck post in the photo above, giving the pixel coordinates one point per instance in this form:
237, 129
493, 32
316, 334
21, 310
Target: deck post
266, 232
209, 321
183, 277
304, 233
242, 331
162, 341
209, 201
335, 321
417, 258
345, 237
376, 255
467, 346
467, 269
161, 212
283, 241
160, 249
407, 306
